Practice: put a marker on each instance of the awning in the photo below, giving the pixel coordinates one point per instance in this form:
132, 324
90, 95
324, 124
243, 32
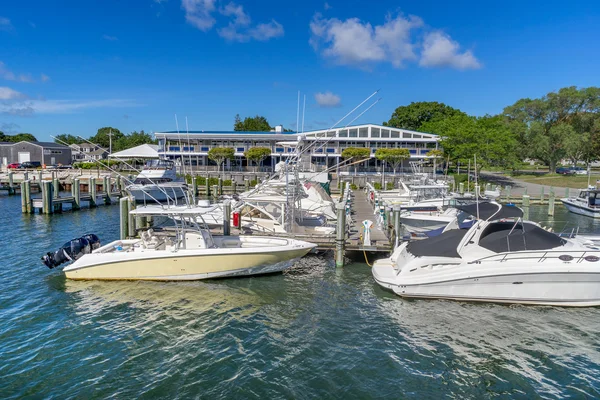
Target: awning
142, 151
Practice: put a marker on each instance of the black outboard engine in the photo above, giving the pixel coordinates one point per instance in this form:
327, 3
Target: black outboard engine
72, 250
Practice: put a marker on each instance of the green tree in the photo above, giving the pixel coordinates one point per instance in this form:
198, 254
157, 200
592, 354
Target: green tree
220, 154
357, 154
416, 114
132, 140
435, 154
257, 154
66, 138
251, 124
17, 138
393, 157
102, 137
488, 138
544, 126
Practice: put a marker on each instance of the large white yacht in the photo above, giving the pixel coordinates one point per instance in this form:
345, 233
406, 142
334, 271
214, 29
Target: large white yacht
158, 182
586, 203
184, 252
501, 258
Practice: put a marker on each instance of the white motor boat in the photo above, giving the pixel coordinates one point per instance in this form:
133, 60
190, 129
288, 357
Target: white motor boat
500, 259
186, 252
586, 203
158, 182
433, 223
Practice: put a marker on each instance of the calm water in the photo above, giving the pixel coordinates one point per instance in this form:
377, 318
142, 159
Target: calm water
315, 332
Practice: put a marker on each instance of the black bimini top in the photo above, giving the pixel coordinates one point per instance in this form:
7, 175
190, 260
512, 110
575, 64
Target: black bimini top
443, 245
492, 211
524, 236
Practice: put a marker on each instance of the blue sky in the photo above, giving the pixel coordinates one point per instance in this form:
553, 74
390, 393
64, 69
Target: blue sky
75, 66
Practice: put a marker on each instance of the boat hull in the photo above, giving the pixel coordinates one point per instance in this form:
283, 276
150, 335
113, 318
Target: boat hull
582, 210
570, 287
184, 265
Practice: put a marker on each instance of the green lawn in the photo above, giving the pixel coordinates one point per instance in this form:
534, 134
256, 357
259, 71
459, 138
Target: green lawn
570, 181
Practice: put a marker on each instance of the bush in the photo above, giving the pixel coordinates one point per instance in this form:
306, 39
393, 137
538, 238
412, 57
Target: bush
353, 186
390, 186
377, 186
211, 182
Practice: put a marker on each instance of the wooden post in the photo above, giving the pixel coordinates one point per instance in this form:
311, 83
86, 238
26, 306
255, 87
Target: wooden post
23, 198
195, 186
397, 211
246, 184
542, 196
130, 218
226, 217
118, 183
76, 191
56, 189
11, 183
25, 176
508, 193
28, 196
123, 217
47, 207
340, 240
215, 191
220, 187
207, 183
551, 202
461, 188
525, 200
40, 178
106, 187
92, 191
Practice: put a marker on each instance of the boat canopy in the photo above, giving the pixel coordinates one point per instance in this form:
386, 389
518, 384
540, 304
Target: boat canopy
501, 237
443, 245
491, 211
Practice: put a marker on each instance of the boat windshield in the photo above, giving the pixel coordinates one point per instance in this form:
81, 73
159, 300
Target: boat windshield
159, 164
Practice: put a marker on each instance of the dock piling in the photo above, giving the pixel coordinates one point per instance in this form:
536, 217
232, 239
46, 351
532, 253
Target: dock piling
397, 211
215, 191
461, 188
11, 183
76, 192
340, 240
246, 185
47, 206
526, 200
56, 186
207, 183
93, 192
106, 187
123, 217
542, 195
195, 186
220, 186
24, 200
226, 218
551, 202
131, 228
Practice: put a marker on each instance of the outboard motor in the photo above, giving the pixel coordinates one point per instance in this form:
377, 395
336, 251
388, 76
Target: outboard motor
72, 250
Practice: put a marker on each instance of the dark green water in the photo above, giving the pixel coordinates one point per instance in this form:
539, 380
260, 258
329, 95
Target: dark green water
314, 332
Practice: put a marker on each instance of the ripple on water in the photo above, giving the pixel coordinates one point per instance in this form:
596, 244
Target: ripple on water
311, 332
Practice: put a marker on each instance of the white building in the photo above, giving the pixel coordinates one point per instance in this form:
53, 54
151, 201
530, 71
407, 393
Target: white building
194, 146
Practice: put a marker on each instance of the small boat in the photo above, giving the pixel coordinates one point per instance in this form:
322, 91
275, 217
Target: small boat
500, 259
433, 223
586, 203
158, 182
184, 252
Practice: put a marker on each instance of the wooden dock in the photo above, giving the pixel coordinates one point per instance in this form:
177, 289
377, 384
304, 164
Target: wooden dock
362, 210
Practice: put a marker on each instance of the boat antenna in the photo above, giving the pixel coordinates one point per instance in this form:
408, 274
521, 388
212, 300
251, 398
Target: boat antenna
187, 130
476, 188
303, 111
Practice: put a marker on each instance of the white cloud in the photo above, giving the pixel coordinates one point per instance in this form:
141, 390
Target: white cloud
7, 93
5, 73
353, 42
326, 6
199, 13
26, 107
439, 50
361, 44
328, 99
110, 38
5, 24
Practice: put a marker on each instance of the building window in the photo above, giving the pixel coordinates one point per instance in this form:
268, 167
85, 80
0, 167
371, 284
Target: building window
319, 150
363, 132
407, 135
385, 133
375, 132
186, 148
331, 150
203, 148
413, 151
240, 149
415, 136
344, 133
353, 133
395, 134
278, 149
173, 148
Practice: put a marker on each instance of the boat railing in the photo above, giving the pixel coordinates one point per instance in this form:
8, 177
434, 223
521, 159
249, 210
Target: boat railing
541, 256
